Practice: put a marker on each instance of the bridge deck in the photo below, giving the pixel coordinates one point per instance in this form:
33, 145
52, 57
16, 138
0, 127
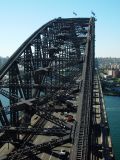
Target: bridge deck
39, 139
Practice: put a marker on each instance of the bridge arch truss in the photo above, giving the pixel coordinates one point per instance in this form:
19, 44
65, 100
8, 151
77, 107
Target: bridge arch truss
54, 63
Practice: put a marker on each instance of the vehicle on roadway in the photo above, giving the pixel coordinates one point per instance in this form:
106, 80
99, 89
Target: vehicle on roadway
64, 155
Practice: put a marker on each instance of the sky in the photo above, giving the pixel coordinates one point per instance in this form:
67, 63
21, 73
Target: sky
20, 18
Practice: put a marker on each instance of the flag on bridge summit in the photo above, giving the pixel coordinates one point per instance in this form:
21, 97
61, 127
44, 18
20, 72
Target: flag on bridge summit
75, 13
93, 13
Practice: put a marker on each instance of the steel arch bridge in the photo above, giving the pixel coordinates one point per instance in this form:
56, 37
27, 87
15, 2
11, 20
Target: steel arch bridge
41, 80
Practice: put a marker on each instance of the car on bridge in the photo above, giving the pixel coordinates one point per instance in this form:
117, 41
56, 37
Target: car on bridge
64, 155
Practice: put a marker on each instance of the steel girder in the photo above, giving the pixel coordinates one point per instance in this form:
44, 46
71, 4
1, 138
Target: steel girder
81, 149
45, 67
56, 45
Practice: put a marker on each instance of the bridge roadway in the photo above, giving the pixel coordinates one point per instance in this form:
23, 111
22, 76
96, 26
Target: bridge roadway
38, 139
101, 145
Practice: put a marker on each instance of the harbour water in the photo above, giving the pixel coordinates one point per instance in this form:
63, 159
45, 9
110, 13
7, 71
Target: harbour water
4, 100
112, 104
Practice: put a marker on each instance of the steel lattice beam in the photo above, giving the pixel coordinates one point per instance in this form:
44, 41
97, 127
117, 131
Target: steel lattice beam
45, 68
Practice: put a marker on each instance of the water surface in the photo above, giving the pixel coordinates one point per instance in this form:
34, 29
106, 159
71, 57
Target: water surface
113, 112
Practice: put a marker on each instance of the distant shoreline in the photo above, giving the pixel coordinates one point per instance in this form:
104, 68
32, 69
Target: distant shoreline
111, 94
